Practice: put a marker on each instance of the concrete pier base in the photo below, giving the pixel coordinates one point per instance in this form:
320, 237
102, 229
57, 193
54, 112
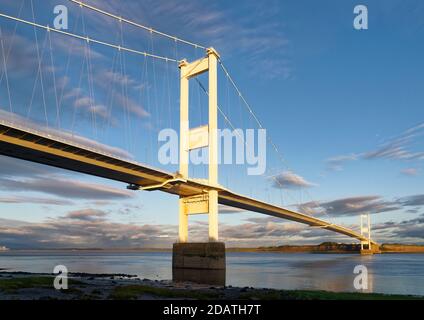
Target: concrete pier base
199, 262
375, 249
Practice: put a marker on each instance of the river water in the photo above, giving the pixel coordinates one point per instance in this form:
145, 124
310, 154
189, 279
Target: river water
387, 273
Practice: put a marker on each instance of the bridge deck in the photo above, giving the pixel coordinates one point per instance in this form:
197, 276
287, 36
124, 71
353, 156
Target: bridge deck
35, 146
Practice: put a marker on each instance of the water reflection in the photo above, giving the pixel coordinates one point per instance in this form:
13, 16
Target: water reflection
387, 273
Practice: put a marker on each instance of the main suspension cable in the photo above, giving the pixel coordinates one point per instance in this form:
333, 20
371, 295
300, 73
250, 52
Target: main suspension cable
88, 39
135, 24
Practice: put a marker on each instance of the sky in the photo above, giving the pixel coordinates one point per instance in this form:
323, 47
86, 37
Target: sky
343, 106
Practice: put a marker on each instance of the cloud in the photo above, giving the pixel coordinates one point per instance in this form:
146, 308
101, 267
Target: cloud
117, 78
352, 206
312, 208
21, 59
21, 52
72, 93
407, 231
127, 103
290, 180
336, 163
412, 201
90, 107
357, 205
273, 234
398, 147
262, 44
265, 220
74, 47
66, 188
83, 102
86, 215
409, 172
226, 209
394, 150
89, 228
24, 176
34, 200
105, 77
12, 223
84, 229
11, 167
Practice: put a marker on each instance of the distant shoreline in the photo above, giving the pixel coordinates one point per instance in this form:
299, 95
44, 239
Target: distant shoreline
326, 247
333, 248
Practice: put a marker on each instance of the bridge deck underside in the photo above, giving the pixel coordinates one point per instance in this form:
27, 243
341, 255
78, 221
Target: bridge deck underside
37, 147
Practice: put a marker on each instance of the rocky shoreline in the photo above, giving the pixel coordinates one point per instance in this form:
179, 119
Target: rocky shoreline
82, 286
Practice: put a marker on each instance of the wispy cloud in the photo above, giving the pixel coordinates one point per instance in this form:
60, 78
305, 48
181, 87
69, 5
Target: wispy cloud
412, 201
406, 231
410, 172
353, 206
337, 163
397, 148
229, 210
88, 105
229, 30
86, 215
23, 176
66, 188
265, 220
34, 200
290, 180
74, 47
84, 229
103, 78
11, 167
357, 205
90, 228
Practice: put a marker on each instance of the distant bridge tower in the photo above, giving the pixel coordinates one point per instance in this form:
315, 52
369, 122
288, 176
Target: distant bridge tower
366, 232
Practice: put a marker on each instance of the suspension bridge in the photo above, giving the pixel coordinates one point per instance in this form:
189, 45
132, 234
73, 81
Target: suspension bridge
196, 196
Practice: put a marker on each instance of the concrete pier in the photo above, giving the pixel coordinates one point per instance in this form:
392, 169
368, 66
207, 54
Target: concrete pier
375, 249
199, 262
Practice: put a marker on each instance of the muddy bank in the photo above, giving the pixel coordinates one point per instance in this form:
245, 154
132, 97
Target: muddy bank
81, 286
